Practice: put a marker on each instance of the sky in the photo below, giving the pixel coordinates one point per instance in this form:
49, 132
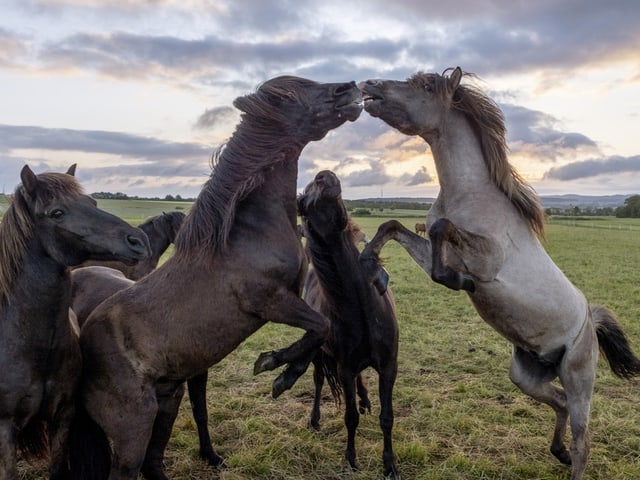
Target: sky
139, 93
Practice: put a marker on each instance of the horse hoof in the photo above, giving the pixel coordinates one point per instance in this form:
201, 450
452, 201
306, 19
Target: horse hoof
562, 454
279, 386
266, 361
468, 284
364, 407
392, 474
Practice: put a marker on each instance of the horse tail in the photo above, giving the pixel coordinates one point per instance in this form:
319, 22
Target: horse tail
330, 370
613, 343
33, 441
89, 450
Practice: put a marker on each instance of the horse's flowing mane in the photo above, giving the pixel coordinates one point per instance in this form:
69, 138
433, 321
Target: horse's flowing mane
16, 228
257, 143
488, 123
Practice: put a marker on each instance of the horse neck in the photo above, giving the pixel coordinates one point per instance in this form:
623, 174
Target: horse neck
458, 156
41, 294
335, 263
279, 188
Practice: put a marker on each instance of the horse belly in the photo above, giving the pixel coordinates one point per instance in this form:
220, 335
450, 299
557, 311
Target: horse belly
539, 316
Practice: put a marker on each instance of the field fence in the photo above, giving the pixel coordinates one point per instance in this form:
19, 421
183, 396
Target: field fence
601, 224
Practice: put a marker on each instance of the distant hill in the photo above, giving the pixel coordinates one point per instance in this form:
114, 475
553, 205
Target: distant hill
548, 201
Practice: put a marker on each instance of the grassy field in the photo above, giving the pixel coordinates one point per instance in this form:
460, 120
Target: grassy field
457, 414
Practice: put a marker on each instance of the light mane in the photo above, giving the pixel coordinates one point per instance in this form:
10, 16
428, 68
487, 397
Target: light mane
17, 226
487, 121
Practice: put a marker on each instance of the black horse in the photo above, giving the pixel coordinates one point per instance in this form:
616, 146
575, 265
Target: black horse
50, 225
161, 230
363, 327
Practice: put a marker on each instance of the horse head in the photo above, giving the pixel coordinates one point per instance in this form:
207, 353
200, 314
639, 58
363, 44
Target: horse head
70, 226
321, 208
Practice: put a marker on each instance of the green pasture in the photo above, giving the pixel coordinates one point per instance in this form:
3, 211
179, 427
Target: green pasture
457, 414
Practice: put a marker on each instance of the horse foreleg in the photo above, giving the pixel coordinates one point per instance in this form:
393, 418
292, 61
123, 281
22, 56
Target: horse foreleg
387, 378
197, 397
318, 381
169, 398
418, 248
441, 233
290, 309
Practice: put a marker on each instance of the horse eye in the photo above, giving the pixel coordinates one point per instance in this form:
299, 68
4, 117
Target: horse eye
428, 88
56, 214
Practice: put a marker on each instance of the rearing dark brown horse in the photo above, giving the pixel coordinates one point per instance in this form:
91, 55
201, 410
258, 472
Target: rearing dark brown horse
222, 283
363, 331
50, 225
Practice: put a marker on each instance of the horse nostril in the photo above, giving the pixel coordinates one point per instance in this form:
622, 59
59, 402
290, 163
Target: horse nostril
136, 243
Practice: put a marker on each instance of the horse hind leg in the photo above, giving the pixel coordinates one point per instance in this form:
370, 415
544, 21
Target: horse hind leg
197, 397
8, 457
169, 398
441, 233
318, 382
351, 416
387, 378
577, 374
364, 404
533, 378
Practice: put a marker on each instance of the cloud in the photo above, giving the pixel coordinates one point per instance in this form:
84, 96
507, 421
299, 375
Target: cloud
421, 177
94, 141
595, 167
539, 134
214, 116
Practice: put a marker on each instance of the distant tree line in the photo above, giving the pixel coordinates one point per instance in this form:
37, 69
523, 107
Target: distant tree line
630, 209
385, 205
124, 196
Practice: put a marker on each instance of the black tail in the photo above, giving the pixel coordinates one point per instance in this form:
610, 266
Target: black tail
330, 370
614, 344
89, 451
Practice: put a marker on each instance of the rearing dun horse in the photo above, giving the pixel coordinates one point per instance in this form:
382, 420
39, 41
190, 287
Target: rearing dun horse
484, 231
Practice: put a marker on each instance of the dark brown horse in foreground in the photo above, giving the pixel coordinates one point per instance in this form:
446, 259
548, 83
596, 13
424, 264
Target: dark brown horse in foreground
91, 285
484, 231
221, 285
50, 225
363, 331
161, 230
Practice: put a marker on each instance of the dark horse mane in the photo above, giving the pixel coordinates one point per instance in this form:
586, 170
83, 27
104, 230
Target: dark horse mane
326, 268
488, 123
16, 228
238, 165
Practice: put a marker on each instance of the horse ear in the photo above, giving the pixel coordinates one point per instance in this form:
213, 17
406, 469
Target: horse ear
72, 170
29, 180
454, 79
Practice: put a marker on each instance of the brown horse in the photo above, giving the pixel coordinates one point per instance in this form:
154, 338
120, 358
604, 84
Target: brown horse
161, 230
221, 285
50, 225
421, 229
363, 327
